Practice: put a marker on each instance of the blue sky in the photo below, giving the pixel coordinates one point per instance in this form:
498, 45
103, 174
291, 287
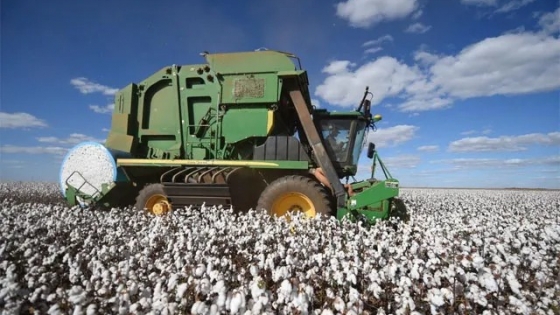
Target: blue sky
468, 89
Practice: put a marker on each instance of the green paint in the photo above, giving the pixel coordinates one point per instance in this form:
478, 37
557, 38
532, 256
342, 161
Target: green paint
243, 123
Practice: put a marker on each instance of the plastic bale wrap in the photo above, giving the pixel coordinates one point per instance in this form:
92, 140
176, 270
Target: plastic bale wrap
87, 167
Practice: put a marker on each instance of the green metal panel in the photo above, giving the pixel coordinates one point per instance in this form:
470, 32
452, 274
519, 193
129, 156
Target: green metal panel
249, 62
377, 192
120, 142
199, 98
126, 100
242, 123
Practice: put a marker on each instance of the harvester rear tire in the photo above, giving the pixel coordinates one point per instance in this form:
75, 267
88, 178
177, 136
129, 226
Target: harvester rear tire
296, 193
153, 199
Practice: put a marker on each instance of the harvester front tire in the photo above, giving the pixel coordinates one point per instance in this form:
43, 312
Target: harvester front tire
153, 199
295, 193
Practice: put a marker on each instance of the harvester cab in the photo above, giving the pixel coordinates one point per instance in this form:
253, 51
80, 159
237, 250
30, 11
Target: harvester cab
238, 130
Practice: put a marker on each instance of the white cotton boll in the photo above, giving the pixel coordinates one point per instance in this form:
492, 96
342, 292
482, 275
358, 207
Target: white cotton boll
204, 286
300, 301
172, 282
237, 300
487, 280
280, 273
477, 296
447, 294
518, 305
375, 289
329, 293
181, 289
353, 295
436, 297
338, 277
513, 283
257, 287
286, 287
338, 304
257, 307
478, 262
254, 270
199, 271
214, 310
76, 295
92, 309
198, 308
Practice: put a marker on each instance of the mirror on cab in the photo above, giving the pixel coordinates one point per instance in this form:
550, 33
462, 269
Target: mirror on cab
370, 150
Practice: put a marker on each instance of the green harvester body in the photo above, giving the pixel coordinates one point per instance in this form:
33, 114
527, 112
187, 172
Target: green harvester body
219, 132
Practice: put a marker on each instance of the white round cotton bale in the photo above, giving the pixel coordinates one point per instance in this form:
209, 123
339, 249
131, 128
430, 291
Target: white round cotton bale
91, 162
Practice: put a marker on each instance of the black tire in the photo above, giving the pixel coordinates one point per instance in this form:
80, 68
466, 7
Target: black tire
306, 186
146, 193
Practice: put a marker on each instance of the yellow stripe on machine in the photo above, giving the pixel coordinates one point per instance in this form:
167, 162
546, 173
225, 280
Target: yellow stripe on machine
162, 162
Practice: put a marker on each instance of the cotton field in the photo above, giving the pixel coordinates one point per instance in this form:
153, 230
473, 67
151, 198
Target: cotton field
463, 252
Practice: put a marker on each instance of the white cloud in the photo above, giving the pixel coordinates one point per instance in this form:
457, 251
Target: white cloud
425, 58
73, 139
345, 87
380, 40
86, 86
20, 120
107, 109
513, 5
480, 2
375, 44
417, 14
372, 50
365, 13
423, 104
504, 143
418, 28
428, 148
339, 66
392, 136
550, 22
12, 163
510, 64
402, 161
470, 163
12, 149
472, 132
392, 163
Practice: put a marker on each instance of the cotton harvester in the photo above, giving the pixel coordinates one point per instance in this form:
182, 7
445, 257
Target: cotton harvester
239, 131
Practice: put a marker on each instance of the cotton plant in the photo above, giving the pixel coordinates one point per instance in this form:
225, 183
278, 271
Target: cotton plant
463, 251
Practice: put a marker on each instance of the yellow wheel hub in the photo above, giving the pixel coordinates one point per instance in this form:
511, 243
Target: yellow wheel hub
158, 204
293, 201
